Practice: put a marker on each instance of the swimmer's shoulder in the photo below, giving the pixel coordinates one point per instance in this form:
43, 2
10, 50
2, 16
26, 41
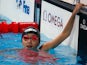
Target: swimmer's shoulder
44, 47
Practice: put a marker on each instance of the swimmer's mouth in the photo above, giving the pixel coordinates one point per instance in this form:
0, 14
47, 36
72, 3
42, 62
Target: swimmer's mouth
29, 46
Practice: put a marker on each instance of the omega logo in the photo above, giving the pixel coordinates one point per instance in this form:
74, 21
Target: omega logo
53, 19
83, 25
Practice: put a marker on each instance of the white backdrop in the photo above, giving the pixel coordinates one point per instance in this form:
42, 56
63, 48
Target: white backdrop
74, 1
84, 1
17, 11
53, 21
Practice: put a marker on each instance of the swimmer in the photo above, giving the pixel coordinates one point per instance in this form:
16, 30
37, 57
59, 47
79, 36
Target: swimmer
31, 36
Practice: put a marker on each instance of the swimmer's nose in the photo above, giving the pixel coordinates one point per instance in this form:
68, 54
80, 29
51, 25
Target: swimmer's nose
29, 41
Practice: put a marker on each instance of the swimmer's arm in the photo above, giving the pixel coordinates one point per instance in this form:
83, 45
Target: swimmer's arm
66, 32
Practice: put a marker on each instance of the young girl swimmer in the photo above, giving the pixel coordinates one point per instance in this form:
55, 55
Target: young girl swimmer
31, 36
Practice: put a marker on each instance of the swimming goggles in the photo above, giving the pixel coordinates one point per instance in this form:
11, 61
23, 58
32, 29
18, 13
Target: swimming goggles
33, 37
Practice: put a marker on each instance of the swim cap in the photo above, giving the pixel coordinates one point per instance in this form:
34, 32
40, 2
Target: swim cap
31, 30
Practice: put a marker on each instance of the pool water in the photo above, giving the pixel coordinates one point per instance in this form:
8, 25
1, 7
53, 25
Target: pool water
9, 41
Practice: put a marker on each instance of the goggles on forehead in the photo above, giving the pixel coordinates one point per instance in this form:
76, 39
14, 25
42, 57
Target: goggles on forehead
34, 37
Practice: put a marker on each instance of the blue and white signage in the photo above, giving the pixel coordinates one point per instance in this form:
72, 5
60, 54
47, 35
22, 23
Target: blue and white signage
18, 10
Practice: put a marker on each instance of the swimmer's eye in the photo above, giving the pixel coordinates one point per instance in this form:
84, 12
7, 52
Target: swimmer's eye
34, 37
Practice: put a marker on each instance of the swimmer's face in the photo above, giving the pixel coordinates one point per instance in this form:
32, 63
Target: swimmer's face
30, 40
